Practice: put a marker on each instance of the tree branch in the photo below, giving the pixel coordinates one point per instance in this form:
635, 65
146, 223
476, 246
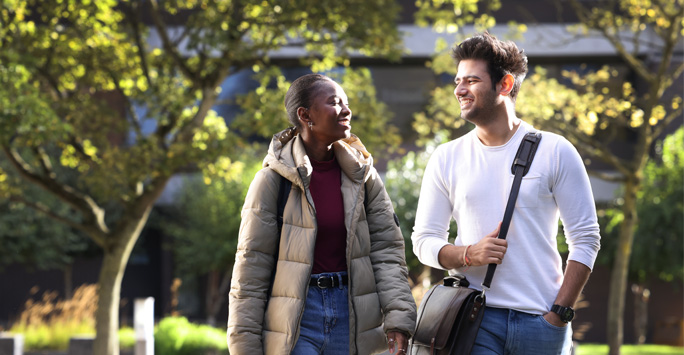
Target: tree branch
135, 120
95, 235
135, 25
659, 129
93, 214
166, 43
631, 60
45, 163
51, 83
79, 149
140, 206
670, 37
594, 148
208, 100
610, 177
677, 72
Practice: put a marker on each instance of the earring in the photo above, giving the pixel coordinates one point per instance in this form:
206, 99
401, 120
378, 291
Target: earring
310, 124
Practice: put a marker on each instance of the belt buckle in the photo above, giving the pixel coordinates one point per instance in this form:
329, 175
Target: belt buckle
320, 285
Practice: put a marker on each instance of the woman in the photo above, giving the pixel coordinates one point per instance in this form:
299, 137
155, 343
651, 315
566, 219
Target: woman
341, 284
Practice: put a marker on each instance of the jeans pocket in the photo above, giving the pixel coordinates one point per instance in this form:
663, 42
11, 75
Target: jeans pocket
553, 327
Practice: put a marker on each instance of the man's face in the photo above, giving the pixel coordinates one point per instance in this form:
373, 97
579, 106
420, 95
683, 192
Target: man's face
474, 92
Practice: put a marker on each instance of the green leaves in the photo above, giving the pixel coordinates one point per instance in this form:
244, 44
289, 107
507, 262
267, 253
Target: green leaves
101, 102
264, 112
404, 177
23, 229
451, 16
206, 218
126, 103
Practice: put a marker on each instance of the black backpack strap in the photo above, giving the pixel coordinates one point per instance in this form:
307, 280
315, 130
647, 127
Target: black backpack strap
283, 194
521, 165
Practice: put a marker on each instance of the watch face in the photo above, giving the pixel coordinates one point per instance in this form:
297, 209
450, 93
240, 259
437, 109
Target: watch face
568, 315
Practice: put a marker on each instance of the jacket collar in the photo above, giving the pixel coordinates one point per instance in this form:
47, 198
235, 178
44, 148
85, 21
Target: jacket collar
287, 156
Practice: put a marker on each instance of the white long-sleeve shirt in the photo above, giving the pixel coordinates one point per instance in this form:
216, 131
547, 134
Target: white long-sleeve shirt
470, 182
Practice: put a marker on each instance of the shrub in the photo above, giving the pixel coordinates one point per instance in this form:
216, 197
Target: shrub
50, 323
177, 336
126, 338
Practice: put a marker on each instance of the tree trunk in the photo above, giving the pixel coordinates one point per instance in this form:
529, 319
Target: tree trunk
221, 296
68, 281
641, 297
109, 285
107, 315
618, 279
211, 296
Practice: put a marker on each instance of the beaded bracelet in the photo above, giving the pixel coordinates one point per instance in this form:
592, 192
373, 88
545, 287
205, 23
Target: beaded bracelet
466, 259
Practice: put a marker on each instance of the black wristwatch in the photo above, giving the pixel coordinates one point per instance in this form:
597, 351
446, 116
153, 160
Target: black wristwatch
566, 313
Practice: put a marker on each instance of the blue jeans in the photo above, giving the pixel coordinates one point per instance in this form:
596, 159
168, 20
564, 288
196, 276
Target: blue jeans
324, 329
505, 331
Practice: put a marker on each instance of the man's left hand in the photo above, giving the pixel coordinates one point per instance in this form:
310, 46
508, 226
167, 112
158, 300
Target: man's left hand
554, 319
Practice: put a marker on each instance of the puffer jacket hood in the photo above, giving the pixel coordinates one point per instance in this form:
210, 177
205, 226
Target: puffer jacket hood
379, 296
294, 163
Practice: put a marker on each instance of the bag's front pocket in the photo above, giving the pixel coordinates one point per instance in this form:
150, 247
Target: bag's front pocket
444, 319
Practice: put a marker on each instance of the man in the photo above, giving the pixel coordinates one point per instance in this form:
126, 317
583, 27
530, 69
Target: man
530, 301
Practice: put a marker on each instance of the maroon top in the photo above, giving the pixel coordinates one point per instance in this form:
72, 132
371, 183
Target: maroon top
331, 240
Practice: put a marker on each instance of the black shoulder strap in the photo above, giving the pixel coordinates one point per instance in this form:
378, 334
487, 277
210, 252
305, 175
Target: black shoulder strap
521, 165
283, 194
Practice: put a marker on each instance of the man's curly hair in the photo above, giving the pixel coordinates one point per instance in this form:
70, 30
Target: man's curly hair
502, 57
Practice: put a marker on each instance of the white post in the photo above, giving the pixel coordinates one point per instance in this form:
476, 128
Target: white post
11, 344
143, 315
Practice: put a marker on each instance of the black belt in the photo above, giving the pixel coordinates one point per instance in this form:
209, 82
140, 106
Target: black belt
329, 281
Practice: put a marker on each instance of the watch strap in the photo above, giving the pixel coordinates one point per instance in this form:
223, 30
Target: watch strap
566, 313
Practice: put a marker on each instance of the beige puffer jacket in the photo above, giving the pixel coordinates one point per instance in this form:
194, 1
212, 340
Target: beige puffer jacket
380, 299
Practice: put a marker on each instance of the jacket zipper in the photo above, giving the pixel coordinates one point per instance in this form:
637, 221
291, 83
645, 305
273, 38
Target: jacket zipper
306, 292
350, 294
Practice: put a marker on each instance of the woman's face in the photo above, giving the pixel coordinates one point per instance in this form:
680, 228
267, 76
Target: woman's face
330, 113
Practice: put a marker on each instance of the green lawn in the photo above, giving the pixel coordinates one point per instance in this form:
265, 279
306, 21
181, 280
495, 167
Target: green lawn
647, 349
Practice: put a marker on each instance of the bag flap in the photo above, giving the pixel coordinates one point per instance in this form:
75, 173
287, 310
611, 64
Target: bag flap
437, 314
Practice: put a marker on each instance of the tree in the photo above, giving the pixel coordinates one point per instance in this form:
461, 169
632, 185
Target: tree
404, 177
369, 115
595, 112
204, 224
85, 79
440, 116
33, 240
660, 207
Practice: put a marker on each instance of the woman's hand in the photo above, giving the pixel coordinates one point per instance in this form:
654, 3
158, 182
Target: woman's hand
397, 341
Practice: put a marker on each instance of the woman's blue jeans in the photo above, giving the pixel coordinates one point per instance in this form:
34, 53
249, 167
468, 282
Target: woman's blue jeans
505, 331
324, 329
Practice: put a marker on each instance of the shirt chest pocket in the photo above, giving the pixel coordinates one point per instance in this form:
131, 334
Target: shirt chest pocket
530, 191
